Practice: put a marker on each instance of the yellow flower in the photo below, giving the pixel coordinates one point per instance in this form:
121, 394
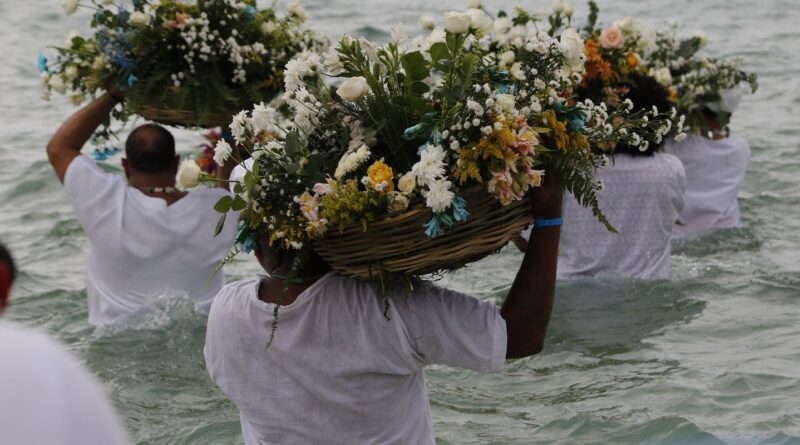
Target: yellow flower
632, 59
379, 173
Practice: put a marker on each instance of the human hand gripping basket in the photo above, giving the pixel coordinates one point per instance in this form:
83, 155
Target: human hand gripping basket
398, 244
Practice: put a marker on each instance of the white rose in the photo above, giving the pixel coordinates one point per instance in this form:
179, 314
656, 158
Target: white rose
480, 21
457, 22
71, 72
352, 89
139, 19
188, 175
399, 202
702, 37
297, 11
407, 183
663, 76
558, 6
57, 83
69, 6
473, 4
506, 102
268, 27
427, 22
516, 71
507, 57
568, 9
572, 47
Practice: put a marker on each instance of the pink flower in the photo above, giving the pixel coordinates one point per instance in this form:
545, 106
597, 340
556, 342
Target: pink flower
322, 188
612, 38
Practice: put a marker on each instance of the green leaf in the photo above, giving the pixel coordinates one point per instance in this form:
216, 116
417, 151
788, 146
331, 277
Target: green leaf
238, 188
220, 225
238, 204
249, 180
415, 65
224, 204
439, 52
292, 144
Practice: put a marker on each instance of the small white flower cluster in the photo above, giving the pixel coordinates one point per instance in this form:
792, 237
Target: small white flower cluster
351, 161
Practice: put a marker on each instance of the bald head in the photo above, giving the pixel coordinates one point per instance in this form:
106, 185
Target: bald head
150, 149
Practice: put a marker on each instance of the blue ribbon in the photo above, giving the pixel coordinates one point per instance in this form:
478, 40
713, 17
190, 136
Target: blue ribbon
42, 63
439, 222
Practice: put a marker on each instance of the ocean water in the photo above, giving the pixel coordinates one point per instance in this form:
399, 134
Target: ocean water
710, 357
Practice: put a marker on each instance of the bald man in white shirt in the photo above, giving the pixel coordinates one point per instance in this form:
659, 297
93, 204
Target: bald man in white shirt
146, 238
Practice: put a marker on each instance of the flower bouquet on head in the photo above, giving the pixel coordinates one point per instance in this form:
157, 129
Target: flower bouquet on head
701, 84
179, 62
424, 157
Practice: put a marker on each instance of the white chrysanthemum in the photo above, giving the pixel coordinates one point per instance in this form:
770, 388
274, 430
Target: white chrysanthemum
239, 126
439, 197
351, 160
222, 152
430, 165
262, 118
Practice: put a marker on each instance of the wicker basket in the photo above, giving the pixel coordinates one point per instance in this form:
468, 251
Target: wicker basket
169, 109
399, 245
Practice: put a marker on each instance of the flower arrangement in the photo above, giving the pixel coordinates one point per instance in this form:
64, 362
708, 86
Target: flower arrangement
202, 58
479, 103
699, 82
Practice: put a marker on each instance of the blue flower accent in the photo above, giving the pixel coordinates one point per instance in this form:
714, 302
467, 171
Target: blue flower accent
436, 136
459, 209
419, 129
456, 213
251, 11
245, 239
102, 155
433, 228
132, 79
575, 117
42, 63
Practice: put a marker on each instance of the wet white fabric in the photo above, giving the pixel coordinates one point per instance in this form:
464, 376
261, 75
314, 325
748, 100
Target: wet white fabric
48, 397
140, 248
715, 171
642, 199
339, 372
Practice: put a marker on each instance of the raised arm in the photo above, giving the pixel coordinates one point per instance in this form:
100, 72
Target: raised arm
66, 143
529, 304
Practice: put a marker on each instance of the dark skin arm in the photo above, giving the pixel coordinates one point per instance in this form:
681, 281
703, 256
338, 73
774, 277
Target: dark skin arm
66, 143
529, 303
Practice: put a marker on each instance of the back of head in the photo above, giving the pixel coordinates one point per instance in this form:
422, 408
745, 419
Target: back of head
150, 149
8, 273
645, 92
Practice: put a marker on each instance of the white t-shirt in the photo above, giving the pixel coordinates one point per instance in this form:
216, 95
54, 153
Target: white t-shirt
715, 171
642, 199
47, 397
339, 372
139, 247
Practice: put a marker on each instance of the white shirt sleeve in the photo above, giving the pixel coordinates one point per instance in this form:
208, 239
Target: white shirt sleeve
95, 195
449, 328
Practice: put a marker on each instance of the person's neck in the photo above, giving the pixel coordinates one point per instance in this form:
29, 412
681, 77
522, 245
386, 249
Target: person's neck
282, 287
147, 180
713, 130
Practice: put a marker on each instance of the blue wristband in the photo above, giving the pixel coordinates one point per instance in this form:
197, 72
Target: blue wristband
540, 223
